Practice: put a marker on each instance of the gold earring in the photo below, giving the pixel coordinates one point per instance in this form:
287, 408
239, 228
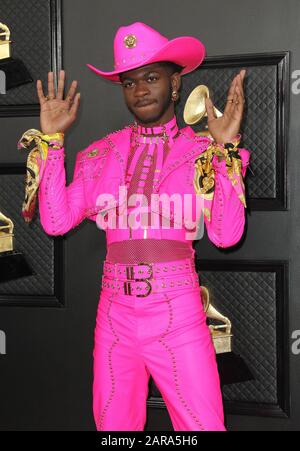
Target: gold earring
174, 96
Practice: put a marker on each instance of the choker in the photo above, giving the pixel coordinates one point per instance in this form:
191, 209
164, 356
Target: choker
154, 135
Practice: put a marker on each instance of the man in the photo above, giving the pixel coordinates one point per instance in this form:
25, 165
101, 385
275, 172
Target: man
150, 319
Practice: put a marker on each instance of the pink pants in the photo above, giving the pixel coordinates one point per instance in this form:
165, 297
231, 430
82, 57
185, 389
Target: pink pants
164, 335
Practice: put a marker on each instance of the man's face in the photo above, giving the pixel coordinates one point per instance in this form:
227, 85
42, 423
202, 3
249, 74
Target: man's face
147, 92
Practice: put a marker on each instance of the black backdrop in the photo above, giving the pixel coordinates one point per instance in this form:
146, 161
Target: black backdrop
46, 374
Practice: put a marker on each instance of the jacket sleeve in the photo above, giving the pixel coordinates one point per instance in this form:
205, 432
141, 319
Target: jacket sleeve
227, 212
61, 207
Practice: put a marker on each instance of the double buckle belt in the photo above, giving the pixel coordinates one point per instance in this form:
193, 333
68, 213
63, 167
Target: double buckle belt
127, 279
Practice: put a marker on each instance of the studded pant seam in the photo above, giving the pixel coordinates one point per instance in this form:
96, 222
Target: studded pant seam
112, 391
168, 348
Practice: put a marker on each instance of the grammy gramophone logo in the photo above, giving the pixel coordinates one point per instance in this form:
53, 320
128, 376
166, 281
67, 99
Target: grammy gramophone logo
13, 71
13, 264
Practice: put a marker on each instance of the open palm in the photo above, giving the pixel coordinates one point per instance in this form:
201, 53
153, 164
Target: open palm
57, 114
223, 129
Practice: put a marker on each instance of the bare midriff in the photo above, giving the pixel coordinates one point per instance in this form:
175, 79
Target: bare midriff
148, 250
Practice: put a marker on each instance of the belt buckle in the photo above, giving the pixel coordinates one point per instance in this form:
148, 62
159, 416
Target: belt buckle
130, 274
130, 277
127, 288
149, 291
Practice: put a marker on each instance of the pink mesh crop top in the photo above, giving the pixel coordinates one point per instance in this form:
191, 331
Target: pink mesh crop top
148, 153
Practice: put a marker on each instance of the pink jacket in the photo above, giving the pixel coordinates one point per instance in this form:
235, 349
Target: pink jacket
100, 168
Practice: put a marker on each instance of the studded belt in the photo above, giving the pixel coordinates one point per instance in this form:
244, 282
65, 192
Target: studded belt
143, 278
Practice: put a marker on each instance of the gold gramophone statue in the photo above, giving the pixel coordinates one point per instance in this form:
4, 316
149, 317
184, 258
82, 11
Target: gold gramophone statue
231, 366
4, 41
6, 234
221, 334
16, 73
13, 264
195, 110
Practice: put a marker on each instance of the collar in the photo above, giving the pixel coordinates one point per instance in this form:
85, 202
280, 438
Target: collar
158, 134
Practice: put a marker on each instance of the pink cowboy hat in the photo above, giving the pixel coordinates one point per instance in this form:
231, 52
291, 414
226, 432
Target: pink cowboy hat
138, 44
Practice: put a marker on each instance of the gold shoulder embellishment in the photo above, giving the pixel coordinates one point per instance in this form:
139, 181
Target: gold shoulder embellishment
92, 153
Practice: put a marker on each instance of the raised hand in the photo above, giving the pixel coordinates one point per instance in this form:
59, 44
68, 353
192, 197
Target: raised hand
57, 114
223, 129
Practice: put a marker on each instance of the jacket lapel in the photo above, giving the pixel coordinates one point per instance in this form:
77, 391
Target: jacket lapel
119, 142
188, 145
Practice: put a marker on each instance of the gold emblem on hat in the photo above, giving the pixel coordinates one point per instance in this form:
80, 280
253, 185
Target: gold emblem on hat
130, 41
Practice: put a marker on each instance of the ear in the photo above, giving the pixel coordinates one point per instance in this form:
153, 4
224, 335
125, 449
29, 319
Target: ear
176, 81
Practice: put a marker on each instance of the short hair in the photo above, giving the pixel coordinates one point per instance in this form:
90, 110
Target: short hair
173, 66
169, 64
